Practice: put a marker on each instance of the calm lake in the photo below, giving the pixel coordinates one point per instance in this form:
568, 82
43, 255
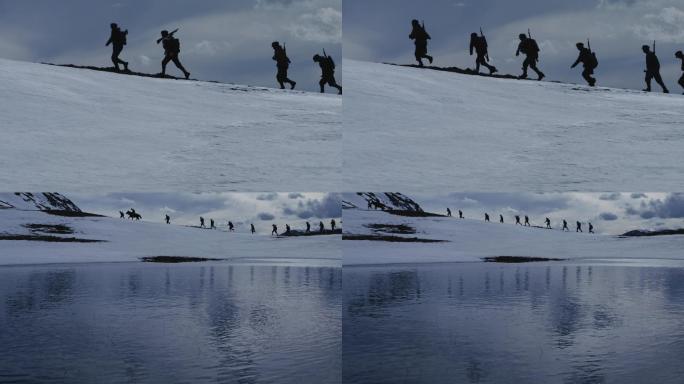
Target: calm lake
581, 322
138, 322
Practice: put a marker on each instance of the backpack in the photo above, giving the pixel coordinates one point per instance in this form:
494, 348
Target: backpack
592, 61
122, 37
173, 45
331, 63
534, 48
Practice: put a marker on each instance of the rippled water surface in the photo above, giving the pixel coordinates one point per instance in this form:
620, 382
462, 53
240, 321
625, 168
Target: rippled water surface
175, 323
524, 323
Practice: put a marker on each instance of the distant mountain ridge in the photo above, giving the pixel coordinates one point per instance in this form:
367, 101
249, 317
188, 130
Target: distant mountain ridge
45, 201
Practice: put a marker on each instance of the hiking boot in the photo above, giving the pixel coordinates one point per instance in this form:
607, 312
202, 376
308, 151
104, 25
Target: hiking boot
187, 75
340, 92
126, 66
646, 90
292, 84
430, 59
523, 76
541, 76
666, 90
493, 70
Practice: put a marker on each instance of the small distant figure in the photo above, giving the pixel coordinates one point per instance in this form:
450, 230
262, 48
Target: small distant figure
460, 214
652, 70
333, 224
565, 226
117, 39
283, 64
168, 219
328, 72
171, 51
517, 220
448, 212
501, 220
486, 218
287, 229
527, 221
479, 44
321, 227
680, 56
202, 222
308, 227
548, 223
133, 215
579, 227
589, 62
370, 205
252, 228
274, 231
121, 215
421, 37
528, 46
231, 227
591, 228
211, 224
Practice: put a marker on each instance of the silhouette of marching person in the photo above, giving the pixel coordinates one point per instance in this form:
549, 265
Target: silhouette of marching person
589, 62
168, 219
591, 228
121, 215
579, 227
252, 228
231, 227
327, 65
421, 37
117, 39
501, 220
479, 43
527, 221
283, 64
321, 227
202, 222
370, 205
517, 220
652, 69
211, 224
528, 46
448, 212
565, 226
274, 230
680, 56
333, 224
308, 227
171, 51
486, 218
287, 228
548, 223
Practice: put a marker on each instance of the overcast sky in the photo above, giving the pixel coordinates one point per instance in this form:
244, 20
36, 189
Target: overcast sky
377, 30
611, 213
221, 40
262, 209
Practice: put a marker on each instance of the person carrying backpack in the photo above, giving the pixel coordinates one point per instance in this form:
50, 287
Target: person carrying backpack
479, 44
421, 38
328, 72
528, 46
171, 51
117, 39
283, 64
680, 56
652, 69
589, 62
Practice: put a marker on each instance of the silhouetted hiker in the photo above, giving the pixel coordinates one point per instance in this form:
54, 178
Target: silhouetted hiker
460, 214
121, 215
211, 224
589, 61
287, 228
283, 64
275, 230
680, 56
231, 227
479, 43
591, 228
486, 217
252, 228
333, 224
548, 223
321, 227
171, 51
202, 222
501, 220
565, 226
579, 227
117, 39
528, 46
308, 227
448, 212
328, 72
168, 219
370, 205
421, 38
527, 221
652, 69
517, 220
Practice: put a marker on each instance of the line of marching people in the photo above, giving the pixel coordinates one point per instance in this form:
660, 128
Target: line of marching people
530, 49
526, 222
171, 44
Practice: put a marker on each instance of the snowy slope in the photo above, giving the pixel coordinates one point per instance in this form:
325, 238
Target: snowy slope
66, 128
411, 129
472, 240
128, 241
37, 201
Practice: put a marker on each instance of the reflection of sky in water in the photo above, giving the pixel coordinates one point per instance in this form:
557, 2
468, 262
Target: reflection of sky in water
536, 323
191, 323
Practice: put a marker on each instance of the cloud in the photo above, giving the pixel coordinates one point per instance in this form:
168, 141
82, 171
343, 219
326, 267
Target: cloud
610, 196
671, 207
268, 197
638, 195
295, 196
264, 216
329, 206
607, 216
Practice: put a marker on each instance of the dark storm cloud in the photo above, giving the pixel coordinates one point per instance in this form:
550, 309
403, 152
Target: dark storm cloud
610, 196
671, 207
638, 195
268, 197
295, 196
265, 216
329, 206
607, 216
